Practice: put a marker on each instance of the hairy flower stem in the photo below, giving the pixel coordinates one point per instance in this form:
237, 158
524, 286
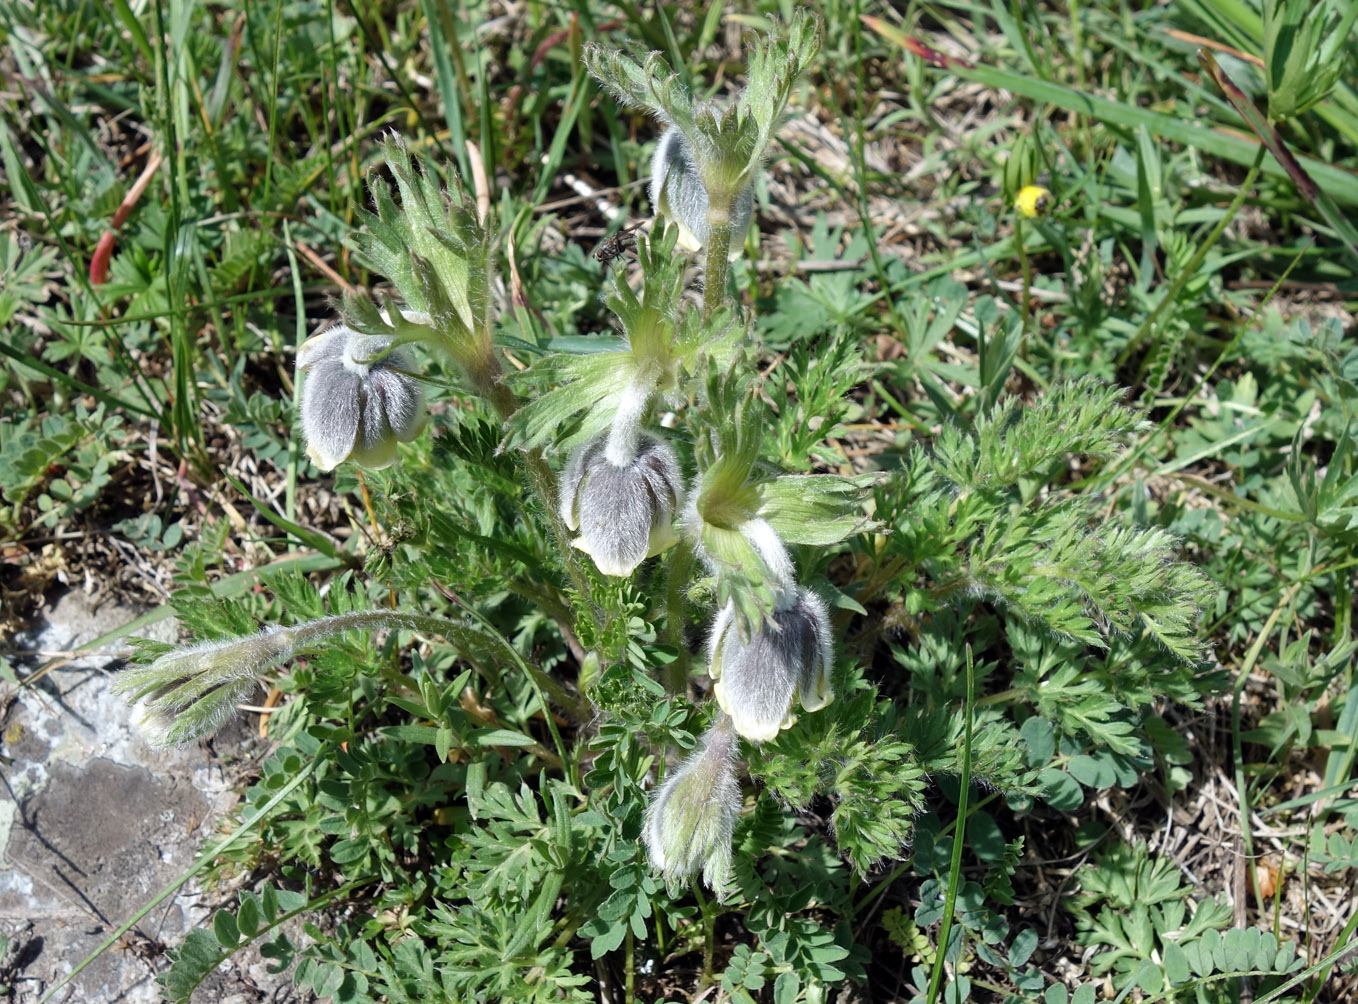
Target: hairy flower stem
543, 481
499, 395
460, 635
715, 265
676, 615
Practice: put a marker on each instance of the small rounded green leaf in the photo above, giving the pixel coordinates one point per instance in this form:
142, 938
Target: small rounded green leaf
984, 837
1060, 790
247, 917
1022, 948
1040, 739
1176, 963
224, 929
348, 851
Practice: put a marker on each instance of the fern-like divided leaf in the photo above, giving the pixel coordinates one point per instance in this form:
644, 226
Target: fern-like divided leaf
1059, 562
1022, 439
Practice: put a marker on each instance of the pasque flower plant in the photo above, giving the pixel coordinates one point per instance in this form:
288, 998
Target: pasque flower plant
512, 717
625, 489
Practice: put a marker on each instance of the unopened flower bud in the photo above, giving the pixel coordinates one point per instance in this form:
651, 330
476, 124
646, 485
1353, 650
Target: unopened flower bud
757, 678
357, 402
191, 692
691, 817
622, 504
678, 192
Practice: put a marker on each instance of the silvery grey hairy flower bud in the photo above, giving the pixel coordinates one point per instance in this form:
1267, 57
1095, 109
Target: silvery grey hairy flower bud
355, 405
691, 817
191, 692
188, 693
756, 679
622, 503
678, 192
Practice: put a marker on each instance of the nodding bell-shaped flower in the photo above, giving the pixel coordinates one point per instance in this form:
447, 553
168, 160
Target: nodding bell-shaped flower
787, 658
678, 192
620, 490
691, 817
358, 399
622, 505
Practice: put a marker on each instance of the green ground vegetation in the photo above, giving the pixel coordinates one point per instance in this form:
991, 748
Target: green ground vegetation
1094, 735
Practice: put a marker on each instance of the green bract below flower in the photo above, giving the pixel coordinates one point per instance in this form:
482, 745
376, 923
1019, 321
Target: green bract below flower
437, 252
757, 679
725, 146
691, 818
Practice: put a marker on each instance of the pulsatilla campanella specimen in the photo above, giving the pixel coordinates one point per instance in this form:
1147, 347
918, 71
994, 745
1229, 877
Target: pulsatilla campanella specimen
358, 399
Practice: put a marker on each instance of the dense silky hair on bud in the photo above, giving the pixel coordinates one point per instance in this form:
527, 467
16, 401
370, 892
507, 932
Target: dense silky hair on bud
692, 816
623, 513
677, 192
785, 659
191, 692
358, 399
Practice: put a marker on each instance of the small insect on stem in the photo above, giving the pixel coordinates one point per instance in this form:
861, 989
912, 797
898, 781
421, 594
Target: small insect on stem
617, 245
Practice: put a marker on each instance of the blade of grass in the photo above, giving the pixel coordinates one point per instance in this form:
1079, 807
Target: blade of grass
1339, 762
1309, 798
1186, 273
1321, 970
1126, 118
1237, 745
299, 336
53, 373
441, 43
381, 52
860, 169
1273, 141
311, 538
955, 867
134, 30
183, 403
551, 161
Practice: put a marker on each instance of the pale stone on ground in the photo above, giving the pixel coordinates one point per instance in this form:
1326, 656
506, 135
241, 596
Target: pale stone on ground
93, 824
